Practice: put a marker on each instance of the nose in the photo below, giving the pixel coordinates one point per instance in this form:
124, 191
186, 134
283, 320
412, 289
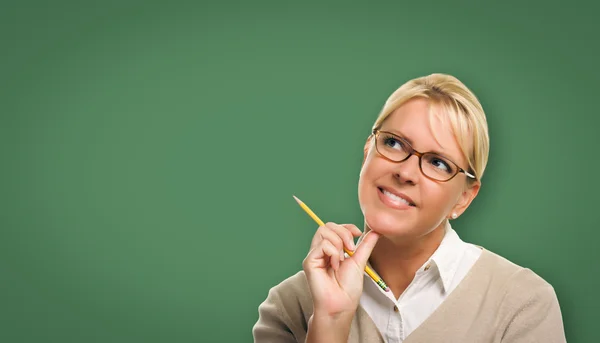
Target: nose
408, 171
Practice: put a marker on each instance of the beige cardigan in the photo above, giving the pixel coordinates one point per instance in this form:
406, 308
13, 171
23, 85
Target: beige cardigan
497, 301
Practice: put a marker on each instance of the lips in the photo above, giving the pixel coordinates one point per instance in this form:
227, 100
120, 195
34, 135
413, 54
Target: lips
395, 197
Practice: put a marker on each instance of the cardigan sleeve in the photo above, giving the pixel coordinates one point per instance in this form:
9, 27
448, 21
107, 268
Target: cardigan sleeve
283, 316
535, 314
272, 325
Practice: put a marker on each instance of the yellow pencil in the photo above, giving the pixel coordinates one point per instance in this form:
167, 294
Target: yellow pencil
368, 270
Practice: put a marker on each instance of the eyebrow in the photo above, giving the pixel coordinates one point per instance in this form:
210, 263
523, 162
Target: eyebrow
399, 134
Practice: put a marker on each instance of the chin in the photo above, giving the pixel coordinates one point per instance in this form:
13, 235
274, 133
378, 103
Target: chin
386, 223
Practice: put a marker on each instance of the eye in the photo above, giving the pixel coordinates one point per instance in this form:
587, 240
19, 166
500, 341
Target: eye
440, 164
393, 142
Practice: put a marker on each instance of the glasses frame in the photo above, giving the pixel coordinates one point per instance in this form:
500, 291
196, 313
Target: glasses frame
412, 151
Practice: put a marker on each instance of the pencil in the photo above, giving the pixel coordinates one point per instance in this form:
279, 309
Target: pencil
378, 280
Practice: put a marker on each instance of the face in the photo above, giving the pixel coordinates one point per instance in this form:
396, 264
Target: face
429, 202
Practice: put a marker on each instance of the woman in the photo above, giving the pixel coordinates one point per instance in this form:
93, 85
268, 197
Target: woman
422, 167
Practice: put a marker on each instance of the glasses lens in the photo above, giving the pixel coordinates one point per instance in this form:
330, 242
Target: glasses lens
437, 167
391, 146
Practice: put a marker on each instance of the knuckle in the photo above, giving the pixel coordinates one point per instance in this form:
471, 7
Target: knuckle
337, 236
329, 245
331, 225
337, 242
347, 233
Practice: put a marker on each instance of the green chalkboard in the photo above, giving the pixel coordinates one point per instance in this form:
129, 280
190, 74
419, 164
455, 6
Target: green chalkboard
150, 151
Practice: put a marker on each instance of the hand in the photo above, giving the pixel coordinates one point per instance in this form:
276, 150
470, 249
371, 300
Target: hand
336, 282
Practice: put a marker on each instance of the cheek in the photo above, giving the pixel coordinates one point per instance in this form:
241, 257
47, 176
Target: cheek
366, 170
368, 174
437, 198
373, 167
362, 181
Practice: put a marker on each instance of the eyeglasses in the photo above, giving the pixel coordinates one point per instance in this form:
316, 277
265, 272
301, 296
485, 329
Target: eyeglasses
396, 149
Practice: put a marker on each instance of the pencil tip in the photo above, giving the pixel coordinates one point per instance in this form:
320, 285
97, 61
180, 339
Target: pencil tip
297, 200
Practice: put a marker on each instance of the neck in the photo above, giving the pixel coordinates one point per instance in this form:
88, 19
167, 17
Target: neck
397, 260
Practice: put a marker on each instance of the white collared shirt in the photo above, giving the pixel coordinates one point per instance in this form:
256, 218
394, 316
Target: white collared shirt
433, 282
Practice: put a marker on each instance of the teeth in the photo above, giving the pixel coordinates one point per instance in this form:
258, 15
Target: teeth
395, 197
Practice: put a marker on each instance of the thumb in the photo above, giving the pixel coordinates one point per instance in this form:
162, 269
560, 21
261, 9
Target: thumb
364, 249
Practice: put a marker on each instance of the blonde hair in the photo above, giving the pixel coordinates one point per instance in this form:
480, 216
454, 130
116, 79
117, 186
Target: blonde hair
461, 108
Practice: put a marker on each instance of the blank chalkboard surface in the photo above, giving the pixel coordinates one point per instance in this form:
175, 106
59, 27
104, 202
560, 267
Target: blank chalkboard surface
150, 151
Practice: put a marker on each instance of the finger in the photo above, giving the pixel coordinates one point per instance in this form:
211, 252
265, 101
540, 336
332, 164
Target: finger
333, 253
344, 234
361, 256
328, 234
353, 229
320, 256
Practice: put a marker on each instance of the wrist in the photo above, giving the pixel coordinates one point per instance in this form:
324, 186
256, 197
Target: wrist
329, 328
333, 318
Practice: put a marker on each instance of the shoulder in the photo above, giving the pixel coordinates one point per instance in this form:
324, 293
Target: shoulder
296, 284
506, 283
523, 282
529, 309
294, 296
528, 303
517, 277
284, 314
292, 290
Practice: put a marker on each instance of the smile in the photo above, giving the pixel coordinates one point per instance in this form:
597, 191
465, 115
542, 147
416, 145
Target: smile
394, 201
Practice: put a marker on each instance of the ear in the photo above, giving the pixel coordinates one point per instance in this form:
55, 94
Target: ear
465, 199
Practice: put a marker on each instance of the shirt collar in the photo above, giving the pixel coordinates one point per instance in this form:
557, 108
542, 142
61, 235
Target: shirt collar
446, 258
